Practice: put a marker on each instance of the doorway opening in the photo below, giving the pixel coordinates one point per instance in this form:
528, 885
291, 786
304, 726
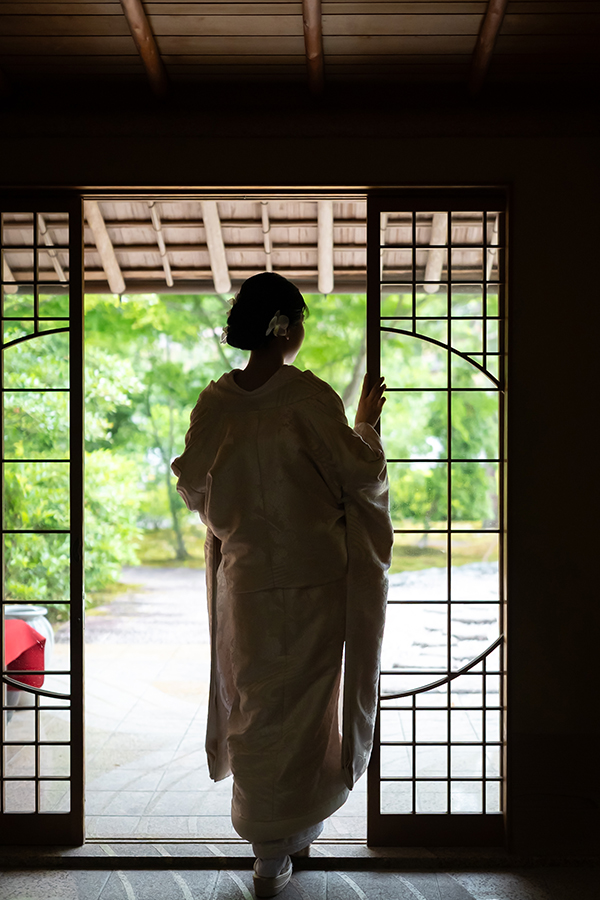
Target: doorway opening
150, 349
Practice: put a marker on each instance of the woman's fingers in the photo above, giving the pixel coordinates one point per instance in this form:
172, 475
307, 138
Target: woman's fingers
378, 389
371, 401
378, 386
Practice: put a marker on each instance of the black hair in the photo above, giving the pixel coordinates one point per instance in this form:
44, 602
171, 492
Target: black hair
256, 302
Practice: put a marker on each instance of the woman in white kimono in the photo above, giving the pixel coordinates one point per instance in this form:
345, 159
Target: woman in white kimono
298, 544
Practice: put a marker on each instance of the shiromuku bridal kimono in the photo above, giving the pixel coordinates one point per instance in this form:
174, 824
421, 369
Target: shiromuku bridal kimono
298, 544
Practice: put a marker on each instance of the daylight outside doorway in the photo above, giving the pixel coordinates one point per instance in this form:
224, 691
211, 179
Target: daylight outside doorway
150, 350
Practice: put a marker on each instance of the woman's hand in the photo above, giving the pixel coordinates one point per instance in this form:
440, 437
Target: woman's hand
371, 402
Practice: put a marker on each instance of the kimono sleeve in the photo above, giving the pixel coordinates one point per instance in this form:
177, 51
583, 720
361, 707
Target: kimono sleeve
356, 457
358, 462
192, 467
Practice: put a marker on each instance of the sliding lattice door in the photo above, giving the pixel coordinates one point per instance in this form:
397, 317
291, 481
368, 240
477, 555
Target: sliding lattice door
436, 307
41, 642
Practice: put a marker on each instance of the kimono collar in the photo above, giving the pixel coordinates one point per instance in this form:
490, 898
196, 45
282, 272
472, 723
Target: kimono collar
287, 385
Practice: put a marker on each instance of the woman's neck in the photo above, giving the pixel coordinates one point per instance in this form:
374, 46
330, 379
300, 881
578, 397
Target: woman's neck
262, 365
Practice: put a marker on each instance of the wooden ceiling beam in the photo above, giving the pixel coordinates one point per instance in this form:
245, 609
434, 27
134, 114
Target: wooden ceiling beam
492, 251
216, 246
240, 248
205, 274
383, 223
484, 46
225, 223
156, 224
105, 248
145, 42
266, 230
238, 223
325, 246
7, 275
52, 252
313, 44
465, 277
436, 255
395, 220
275, 223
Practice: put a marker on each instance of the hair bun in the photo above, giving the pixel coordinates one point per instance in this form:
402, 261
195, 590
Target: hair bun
259, 300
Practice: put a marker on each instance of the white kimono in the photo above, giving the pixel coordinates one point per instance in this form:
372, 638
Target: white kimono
298, 544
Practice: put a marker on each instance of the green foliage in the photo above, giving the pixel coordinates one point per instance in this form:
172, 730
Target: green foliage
155, 546
415, 423
37, 568
147, 359
37, 565
334, 348
36, 426
172, 344
111, 509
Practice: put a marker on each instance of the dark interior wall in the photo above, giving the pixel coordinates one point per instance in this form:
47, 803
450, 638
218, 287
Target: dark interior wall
549, 162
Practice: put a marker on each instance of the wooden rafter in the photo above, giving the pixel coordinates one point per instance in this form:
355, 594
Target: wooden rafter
383, 223
313, 43
239, 248
105, 248
436, 254
145, 42
325, 246
53, 254
484, 46
157, 225
237, 274
394, 220
216, 246
492, 251
7, 275
240, 223
266, 230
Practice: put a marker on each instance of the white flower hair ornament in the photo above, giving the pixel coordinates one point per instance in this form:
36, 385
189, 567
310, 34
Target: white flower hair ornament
278, 325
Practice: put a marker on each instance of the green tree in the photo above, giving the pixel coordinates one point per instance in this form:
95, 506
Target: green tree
415, 423
36, 426
147, 360
173, 344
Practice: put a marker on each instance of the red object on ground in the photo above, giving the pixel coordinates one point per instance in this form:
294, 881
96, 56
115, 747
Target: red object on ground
23, 649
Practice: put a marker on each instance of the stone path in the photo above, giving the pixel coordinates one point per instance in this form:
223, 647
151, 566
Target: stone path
147, 675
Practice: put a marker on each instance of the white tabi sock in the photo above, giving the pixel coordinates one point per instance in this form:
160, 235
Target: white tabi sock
271, 867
